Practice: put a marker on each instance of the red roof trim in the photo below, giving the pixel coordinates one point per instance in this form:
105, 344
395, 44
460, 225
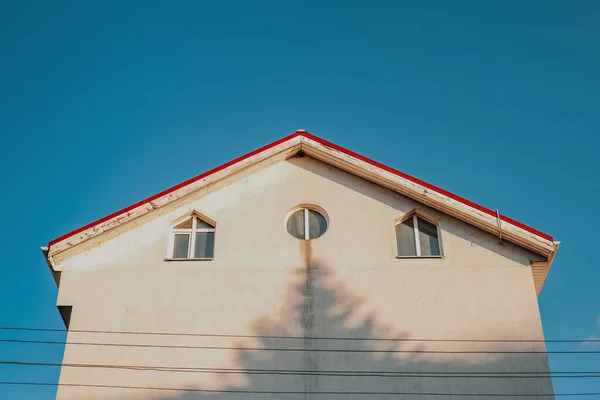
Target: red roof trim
174, 188
429, 186
325, 143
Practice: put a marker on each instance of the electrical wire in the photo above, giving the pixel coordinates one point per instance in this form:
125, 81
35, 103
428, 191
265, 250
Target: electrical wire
290, 349
335, 373
283, 392
299, 337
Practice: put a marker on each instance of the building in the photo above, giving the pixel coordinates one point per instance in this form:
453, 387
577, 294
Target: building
403, 290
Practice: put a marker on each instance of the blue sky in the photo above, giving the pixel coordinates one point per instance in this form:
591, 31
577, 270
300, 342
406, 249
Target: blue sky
105, 103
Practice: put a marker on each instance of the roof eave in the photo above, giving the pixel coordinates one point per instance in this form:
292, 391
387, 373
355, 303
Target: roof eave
318, 148
422, 192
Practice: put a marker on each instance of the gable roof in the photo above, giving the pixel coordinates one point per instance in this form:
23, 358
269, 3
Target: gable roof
426, 193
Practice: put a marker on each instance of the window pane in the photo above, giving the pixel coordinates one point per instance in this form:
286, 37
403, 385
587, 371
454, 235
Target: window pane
203, 225
295, 224
187, 224
180, 246
205, 245
317, 224
405, 238
428, 238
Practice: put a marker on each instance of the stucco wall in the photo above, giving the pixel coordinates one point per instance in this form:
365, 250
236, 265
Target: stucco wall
264, 282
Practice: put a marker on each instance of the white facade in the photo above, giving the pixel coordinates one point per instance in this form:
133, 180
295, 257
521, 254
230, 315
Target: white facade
264, 282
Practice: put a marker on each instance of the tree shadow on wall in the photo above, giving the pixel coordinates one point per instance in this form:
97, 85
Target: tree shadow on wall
357, 361
325, 343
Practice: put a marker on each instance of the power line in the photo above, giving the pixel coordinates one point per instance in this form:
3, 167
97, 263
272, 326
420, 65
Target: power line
282, 392
335, 373
242, 348
299, 337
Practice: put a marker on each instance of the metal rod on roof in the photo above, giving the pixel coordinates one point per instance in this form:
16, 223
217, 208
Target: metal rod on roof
499, 225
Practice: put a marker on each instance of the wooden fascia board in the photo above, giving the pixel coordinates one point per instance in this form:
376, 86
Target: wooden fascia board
428, 197
540, 269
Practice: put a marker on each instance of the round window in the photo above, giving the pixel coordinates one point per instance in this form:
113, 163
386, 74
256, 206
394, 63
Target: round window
306, 224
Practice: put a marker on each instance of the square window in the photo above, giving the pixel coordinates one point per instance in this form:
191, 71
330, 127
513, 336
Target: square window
205, 244
428, 238
405, 238
181, 245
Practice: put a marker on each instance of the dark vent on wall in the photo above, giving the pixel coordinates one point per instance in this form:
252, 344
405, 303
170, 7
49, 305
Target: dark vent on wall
65, 314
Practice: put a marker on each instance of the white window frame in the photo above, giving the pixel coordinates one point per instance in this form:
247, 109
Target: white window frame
306, 228
415, 215
191, 232
305, 209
